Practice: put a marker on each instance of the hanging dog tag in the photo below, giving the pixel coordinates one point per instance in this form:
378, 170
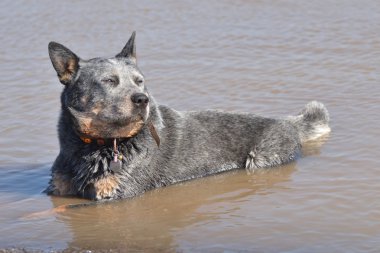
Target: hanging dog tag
116, 164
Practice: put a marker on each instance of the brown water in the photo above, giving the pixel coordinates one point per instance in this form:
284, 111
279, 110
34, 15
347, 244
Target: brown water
265, 57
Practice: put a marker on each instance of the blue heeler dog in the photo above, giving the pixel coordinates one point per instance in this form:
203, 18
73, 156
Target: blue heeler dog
117, 142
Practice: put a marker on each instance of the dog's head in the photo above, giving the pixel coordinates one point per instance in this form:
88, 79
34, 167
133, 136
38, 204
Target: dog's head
105, 97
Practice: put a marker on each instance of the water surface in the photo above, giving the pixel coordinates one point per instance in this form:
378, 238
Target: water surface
265, 57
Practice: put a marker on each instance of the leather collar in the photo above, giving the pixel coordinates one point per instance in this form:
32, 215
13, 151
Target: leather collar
101, 141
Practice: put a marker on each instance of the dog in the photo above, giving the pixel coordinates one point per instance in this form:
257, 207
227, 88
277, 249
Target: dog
117, 142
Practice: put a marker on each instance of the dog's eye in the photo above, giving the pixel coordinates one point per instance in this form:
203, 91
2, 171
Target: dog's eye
139, 81
110, 81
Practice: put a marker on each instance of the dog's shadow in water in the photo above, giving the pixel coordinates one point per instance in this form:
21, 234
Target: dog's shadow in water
150, 222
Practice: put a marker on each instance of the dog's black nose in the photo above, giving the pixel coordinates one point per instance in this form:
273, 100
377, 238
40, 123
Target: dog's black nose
140, 99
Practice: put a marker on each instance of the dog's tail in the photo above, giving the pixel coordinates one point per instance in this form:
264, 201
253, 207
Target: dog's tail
312, 122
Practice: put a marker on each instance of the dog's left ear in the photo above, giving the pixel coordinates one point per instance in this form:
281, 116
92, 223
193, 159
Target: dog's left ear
129, 50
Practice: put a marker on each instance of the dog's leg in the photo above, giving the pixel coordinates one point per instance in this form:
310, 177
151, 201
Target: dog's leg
61, 185
60, 209
273, 150
257, 159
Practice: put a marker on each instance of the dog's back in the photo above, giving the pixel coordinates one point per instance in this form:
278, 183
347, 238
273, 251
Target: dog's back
208, 142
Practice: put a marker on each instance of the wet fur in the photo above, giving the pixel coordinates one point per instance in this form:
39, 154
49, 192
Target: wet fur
192, 144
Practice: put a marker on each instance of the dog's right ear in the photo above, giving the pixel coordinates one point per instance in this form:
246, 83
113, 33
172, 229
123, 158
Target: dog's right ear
129, 50
65, 62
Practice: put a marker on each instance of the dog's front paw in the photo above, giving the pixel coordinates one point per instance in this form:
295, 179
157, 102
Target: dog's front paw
103, 188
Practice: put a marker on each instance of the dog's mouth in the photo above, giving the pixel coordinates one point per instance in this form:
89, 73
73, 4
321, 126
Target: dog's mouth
93, 126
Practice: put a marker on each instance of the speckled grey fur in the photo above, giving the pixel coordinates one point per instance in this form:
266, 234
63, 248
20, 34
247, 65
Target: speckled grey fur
193, 144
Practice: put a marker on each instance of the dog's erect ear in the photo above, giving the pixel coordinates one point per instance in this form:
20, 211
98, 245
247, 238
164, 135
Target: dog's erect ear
129, 50
65, 62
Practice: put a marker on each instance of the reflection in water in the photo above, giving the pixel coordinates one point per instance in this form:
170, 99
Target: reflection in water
150, 222
313, 147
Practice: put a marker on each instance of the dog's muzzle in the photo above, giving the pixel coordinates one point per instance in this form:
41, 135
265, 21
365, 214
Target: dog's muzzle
90, 125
